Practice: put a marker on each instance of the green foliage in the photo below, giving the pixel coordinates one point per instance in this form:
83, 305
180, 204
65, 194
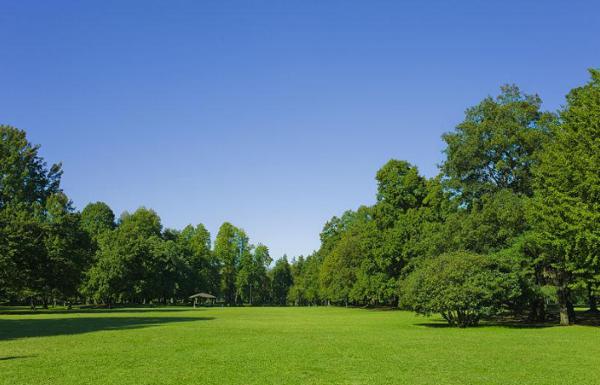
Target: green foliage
461, 286
399, 188
202, 272
230, 245
365, 252
306, 289
67, 248
281, 281
341, 264
97, 218
566, 205
493, 222
252, 279
23, 254
495, 146
43, 252
127, 259
24, 175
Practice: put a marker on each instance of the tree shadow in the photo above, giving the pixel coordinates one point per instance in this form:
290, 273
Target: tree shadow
8, 358
587, 318
91, 310
11, 329
483, 324
434, 325
583, 318
381, 308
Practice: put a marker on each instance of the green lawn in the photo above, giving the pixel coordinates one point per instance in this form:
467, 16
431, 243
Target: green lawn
285, 346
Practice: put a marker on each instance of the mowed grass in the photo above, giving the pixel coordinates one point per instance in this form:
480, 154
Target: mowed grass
285, 346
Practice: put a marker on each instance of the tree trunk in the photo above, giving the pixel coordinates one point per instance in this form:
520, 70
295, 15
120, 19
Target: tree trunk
592, 302
563, 300
571, 310
537, 312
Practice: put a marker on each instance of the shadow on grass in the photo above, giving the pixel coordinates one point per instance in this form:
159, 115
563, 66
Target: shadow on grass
22, 310
583, 318
11, 329
381, 308
8, 358
506, 324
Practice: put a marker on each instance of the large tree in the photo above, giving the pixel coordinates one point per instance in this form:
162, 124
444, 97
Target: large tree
495, 146
42, 250
67, 249
129, 260
282, 280
24, 175
202, 266
25, 185
400, 187
252, 279
231, 243
306, 289
488, 172
566, 204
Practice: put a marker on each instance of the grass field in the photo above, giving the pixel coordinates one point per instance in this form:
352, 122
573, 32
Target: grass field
285, 346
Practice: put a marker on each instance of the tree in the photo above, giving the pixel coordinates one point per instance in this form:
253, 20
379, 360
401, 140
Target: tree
25, 185
338, 273
252, 279
461, 286
23, 252
24, 175
488, 172
202, 265
281, 278
143, 223
401, 193
231, 243
297, 293
344, 265
306, 289
166, 265
97, 218
129, 260
67, 248
566, 205
399, 188
245, 277
495, 146
42, 249
493, 222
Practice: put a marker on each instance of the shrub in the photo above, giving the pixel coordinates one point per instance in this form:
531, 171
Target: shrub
463, 287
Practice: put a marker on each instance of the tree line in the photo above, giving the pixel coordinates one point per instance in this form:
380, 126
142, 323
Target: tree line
511, 224
51, 252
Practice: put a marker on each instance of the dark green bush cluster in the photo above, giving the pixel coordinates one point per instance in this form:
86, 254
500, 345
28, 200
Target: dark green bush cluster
463, 287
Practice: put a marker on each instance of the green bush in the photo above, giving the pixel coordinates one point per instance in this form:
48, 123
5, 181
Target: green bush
463, 287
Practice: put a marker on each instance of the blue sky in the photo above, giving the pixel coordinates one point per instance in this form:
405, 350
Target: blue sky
274, 116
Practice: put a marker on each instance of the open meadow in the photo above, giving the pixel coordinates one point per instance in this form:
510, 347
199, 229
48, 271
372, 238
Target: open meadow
270, 345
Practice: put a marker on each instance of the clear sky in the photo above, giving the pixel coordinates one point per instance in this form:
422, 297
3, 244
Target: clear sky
276, 115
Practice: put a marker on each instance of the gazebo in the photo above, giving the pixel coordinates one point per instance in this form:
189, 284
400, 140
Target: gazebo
205, 296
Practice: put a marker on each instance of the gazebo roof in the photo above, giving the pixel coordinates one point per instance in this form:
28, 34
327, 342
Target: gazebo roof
203, 295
